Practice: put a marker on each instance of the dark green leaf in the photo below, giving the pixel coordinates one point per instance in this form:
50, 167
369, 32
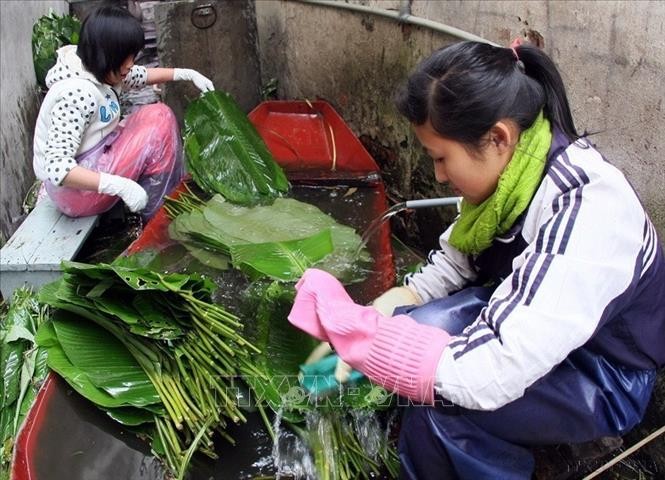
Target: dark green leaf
18, 326
49, 33
104, 360
130, 416
226, 155
285, 261
286, 220
283, 348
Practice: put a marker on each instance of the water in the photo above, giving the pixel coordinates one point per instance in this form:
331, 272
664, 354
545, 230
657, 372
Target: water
369, 432
97, 442
78, 441
377, 223
353, 206
291, 457
356, 206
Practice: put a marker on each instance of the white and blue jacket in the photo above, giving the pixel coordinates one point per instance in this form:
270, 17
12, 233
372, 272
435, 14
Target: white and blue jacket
77, 113
581, 267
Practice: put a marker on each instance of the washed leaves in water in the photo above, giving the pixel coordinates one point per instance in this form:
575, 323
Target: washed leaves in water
167, 350
279, 241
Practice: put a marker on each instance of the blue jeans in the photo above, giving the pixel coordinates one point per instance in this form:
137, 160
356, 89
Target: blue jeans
582, 399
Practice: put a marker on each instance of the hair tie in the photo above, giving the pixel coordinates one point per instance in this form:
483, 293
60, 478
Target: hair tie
513, 46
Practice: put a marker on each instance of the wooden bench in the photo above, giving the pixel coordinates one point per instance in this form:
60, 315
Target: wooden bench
33, 254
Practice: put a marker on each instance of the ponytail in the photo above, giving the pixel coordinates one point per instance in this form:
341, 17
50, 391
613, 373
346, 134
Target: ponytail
465, 88
540, 67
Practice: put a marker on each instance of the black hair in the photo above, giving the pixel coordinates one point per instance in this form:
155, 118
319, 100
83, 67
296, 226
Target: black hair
108, 36
465, 88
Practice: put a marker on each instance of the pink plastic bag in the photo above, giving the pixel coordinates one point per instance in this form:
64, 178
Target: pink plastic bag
145, 147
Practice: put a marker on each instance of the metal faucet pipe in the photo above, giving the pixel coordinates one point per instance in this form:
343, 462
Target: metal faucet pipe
433, 202
400, 17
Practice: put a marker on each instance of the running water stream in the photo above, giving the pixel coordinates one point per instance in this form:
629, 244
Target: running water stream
312, 453
399, 207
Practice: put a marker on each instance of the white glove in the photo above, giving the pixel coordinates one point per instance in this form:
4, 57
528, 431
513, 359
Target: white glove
202, 83
395, 297
131, 192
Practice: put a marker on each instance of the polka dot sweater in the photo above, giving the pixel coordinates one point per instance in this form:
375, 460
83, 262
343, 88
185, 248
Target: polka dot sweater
78, 112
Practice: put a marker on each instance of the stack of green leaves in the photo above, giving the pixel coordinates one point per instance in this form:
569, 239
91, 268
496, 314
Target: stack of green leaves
22, 365
51, 32
279, 241
188, 349
226, 155
99, 367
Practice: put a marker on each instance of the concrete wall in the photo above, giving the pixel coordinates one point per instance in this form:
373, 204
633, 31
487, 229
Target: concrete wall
356, 62
611, 55
223, 47
19, 104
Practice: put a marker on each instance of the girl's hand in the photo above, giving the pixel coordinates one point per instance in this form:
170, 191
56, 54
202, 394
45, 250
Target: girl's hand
202, 83
131, 192
387, 302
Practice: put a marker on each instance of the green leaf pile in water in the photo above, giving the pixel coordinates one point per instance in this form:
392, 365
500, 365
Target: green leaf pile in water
283, 348
148, 347
279, 241
226, 155
97, 365
335, 440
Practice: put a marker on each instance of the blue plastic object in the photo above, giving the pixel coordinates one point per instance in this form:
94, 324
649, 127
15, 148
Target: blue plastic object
318, 378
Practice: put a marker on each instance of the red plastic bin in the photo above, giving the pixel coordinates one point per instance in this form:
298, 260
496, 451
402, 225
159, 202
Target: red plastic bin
314, 147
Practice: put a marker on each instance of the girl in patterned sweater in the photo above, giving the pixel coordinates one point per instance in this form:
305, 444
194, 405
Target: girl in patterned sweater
85, 155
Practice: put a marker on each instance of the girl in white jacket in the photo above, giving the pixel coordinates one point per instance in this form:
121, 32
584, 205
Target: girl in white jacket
540, 320
85, 155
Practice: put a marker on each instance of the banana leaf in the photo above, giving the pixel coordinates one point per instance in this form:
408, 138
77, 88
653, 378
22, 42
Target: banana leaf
21, 365
137, 278
282, 260
83, 377
146, 315
289, 219
209, 258
194, 229
226, 155
104, 360
40, 372
191, 374
283, 348
16, 336
71, 292
279, 240
130, 416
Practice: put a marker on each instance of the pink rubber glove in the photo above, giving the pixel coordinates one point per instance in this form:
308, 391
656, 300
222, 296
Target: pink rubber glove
395, 352
303, 313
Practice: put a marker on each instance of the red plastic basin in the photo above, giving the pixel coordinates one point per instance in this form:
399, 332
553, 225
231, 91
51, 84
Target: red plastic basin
315, 147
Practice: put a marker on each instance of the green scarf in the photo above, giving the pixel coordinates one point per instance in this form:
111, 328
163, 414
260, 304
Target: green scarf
478, 225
